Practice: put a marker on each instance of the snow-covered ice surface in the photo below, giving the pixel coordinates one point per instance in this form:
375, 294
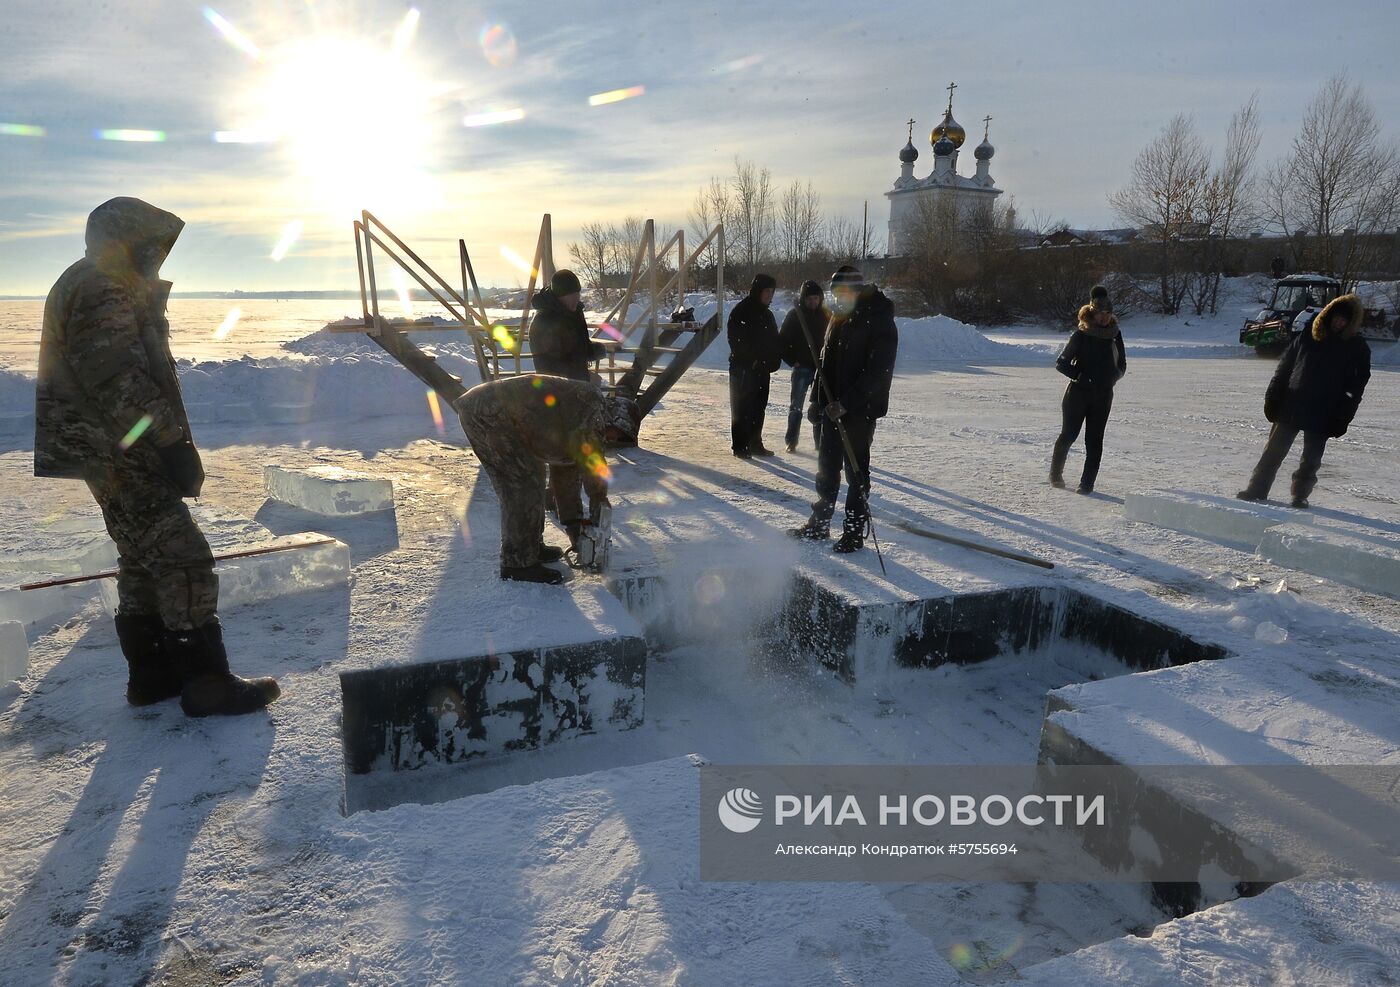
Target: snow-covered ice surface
143, 844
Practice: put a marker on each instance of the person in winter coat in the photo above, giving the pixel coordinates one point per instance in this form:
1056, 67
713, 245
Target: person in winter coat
109, 412
754, 353
851, 395
1094, 360
519, 425
801, 337
561, 347
1316, 390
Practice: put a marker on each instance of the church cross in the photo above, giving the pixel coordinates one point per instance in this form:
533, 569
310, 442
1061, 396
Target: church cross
986, 126
911, 130
951, 87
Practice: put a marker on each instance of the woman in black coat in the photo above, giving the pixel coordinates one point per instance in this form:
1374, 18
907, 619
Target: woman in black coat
1316, 390
1094, 360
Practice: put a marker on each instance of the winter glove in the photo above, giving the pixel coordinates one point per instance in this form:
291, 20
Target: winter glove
1271, 411
835, 410
597, 351
183, 467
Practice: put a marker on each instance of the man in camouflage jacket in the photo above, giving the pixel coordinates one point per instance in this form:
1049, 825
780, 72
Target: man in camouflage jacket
109, 412
517, 427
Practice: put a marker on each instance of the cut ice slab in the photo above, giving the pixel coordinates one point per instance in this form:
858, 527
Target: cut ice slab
330, 490
1223, 519
280, 567
1364, 558
39, 609
14, 651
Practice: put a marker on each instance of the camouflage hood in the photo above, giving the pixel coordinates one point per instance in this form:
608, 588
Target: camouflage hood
126, 237
107, 387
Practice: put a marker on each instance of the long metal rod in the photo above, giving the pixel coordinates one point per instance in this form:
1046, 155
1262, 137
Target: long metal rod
1004, 553
360, 269
222, 557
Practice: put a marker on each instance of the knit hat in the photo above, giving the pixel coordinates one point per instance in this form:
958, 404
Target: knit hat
810, 288
761, 283
564, 282
1099, 300
847, 275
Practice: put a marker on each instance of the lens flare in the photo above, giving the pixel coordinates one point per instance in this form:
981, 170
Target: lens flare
230, 320
435, 409
518, 261
498, 116
137, 430
408, 27
21, 130
503, 338
402, 290
610, 330
244, 137
231, 34
132, 136
738, 64
616, 95
550, 400
497, 44
290, 234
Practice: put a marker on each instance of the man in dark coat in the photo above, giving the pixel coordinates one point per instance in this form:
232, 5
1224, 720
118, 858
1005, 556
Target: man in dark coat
1316, 390
109, 412
856, 368
754, 353
561, 346
802, 335
1094, 360
517, 427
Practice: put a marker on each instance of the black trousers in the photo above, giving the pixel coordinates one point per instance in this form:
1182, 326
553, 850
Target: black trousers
1281, 438
748, 403
832, 461
1082, 408
802, 378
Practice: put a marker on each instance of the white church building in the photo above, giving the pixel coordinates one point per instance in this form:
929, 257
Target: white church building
965, 192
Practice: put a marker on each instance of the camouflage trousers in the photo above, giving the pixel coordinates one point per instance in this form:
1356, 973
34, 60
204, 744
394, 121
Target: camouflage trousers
518, 478
165, 567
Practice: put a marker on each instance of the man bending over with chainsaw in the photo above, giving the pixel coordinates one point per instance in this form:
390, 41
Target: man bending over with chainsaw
517, 427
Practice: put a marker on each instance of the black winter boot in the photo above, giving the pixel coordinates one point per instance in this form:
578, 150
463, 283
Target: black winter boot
549, 553
151, 676
210, 689
817, 528
1249, 494
532, 574
852, 537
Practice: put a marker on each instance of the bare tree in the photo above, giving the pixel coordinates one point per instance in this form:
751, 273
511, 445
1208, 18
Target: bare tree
591, 255
1162, 197
799, 222
1337, 190
1228, 204
714, 205
752, 189
844, 240
623, 242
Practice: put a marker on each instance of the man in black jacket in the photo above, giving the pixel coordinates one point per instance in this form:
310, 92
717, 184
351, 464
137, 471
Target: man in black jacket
1316, 390
856, 368
561, 347
754, 353
1094, 360
802, 335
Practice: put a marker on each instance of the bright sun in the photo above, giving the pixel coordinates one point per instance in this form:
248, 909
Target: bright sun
354, 119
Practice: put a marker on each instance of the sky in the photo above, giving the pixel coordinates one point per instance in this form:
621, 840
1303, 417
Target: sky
327, 107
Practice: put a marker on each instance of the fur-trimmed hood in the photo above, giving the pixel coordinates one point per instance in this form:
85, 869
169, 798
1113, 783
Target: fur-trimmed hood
1350, 305
1087, 324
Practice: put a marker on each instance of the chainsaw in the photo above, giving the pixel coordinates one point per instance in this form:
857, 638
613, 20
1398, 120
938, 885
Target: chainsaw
594, 542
